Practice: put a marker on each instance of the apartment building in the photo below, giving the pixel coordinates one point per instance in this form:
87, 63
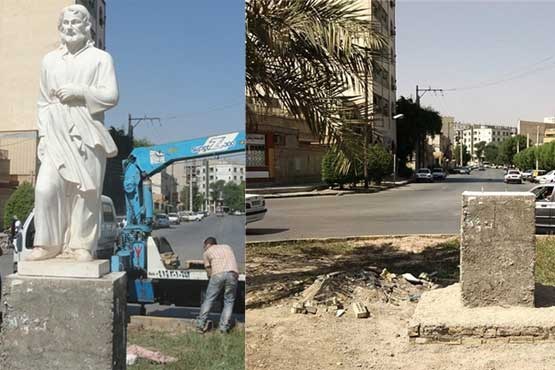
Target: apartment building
471, 135
28, 30
281, 150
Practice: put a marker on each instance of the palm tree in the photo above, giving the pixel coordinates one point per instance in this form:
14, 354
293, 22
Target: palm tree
307, 54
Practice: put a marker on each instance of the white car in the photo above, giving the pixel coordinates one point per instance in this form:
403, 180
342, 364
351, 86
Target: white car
513, 176
527, 175
438, 173
191, 216
424, 174
255, 207
174, 218
547, 178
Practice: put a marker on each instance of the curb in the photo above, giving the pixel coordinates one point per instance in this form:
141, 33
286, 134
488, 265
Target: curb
348, 238
332, 193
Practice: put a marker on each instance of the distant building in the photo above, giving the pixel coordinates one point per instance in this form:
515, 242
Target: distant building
202, 173
29, 31
534, 131
474, 134
164, 192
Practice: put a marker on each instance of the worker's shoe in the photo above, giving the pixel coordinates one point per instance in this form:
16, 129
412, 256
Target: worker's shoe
43, 253
204, 328
82, 255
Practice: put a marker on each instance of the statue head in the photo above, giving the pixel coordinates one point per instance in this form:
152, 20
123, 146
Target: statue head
74, 25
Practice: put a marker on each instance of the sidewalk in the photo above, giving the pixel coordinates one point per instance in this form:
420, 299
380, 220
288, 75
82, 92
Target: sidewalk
321, 190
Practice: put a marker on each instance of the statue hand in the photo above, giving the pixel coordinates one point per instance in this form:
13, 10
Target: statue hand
41, 149
69, 92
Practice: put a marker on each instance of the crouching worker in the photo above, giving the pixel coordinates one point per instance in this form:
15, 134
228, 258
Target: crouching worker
221, 266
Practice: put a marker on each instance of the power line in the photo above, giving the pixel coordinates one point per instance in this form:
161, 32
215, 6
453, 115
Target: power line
511, 76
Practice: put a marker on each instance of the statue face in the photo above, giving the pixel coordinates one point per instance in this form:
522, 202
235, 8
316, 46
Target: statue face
73, 28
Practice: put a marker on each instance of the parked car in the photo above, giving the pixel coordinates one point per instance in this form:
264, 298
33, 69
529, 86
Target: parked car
161, 221
189, 216
438, 174
545, 208
174, 218
527, 174
546, 178
424, 174
464, 171
513, 176
255, 207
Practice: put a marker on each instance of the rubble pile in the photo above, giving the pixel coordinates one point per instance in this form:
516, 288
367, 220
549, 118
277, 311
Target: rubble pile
336, 291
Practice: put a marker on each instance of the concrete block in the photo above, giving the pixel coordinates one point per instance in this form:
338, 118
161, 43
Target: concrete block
64, 268
53, 323
359, 310
498, 252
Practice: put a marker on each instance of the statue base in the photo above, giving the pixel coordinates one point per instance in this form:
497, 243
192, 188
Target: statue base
53, 323
58, 267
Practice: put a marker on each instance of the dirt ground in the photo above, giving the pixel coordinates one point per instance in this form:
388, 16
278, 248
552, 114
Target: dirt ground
278, 339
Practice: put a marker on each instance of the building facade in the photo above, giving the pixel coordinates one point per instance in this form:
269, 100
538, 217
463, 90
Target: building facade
471, 135
281, 150
28, 31
535, 131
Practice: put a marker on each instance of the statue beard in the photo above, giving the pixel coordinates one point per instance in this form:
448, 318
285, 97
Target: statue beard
77, 39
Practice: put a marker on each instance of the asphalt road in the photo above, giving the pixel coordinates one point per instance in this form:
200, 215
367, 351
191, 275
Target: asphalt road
417, 208
187, 238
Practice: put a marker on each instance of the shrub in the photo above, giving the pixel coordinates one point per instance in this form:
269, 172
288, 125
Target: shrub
20, 203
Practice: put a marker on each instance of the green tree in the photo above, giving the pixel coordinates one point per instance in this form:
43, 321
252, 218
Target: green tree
305, 53
526, 159
508, 149
198, 200
331, 175
140, 142
416, 123
20, 204
217, 189
234, 196
380, 162
479, 149
465, 157
491, 152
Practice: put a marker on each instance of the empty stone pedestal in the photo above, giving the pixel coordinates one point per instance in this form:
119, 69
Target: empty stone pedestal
498, 249
57, 323
497, 299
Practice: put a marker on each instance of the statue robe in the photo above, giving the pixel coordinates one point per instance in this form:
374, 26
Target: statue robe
73, 147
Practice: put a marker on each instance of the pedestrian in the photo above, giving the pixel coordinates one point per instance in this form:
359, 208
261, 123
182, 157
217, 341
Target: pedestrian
221, 266
15, 227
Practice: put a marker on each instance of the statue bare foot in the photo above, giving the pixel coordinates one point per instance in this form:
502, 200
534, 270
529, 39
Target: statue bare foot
82, 255
43, 253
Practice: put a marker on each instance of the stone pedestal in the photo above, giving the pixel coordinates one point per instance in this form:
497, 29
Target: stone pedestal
55, 323
498, 249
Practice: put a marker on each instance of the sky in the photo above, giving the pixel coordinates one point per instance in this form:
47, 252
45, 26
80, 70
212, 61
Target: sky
498, 56
182, 61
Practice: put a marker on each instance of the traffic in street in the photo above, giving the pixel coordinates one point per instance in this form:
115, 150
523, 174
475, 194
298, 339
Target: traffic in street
416, 208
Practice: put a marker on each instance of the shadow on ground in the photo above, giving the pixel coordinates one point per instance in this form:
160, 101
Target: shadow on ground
276, 272
265, 231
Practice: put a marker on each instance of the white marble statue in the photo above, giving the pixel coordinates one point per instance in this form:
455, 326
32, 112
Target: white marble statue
77, 85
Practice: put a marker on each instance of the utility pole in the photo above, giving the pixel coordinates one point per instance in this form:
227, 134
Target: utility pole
131, 126
366, 120
537, 144
418, 138
191, 169
207, 184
